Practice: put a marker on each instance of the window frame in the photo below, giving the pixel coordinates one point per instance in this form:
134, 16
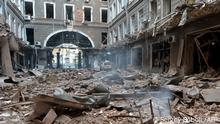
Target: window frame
101, 14
64, 14
84, 13
106, 37
54, 9
33, 2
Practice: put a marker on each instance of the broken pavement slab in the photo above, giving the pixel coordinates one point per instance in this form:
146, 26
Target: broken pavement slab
211, 95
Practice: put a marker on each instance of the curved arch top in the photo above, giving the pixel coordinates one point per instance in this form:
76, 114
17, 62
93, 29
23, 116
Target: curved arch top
66, 30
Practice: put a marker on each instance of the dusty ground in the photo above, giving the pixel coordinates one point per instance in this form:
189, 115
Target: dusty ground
16, 100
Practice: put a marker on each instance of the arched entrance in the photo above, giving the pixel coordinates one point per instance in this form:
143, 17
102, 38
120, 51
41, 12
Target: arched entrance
75, 37
66, 48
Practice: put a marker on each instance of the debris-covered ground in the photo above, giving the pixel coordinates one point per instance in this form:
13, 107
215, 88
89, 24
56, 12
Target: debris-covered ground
108, 97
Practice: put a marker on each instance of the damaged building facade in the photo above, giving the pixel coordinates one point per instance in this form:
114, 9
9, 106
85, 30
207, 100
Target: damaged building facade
61, 33
12, 35
127, 20
171, 36
91, 61
154, 35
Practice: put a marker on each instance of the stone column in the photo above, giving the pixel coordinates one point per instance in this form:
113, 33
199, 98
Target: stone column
7, 68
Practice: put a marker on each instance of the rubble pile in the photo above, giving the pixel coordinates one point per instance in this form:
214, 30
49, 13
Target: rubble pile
197, 97
85, 96
121, 96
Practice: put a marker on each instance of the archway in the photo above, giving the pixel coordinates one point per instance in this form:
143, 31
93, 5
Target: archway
66, 48
75, 37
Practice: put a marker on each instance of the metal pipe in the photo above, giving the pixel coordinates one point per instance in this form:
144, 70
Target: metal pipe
151, 109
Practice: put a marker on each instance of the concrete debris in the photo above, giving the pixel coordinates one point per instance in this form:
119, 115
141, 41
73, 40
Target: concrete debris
74, 98
193, 92
113, 78
211, 95
50, 117
51, 78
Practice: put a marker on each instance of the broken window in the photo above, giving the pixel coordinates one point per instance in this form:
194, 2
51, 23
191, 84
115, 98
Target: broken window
69, 12
104, 38
153, 9
28, 6
50, 10
104, 15
88, 14
166, 7
206, 51
30, 35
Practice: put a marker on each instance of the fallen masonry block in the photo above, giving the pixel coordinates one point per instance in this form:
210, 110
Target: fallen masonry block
211, 95
50, 117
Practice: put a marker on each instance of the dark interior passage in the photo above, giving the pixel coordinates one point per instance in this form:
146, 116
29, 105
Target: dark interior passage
209, 44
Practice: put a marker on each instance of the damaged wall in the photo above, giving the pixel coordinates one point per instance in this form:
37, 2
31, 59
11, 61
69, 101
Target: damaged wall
181, 52
202, 25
